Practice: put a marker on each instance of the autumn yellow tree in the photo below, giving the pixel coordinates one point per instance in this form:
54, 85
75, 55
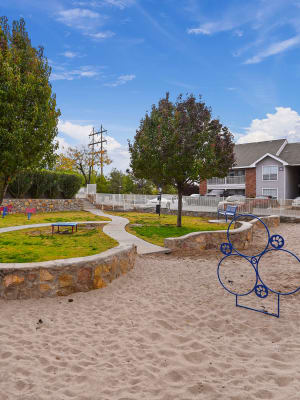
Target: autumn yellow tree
83, 161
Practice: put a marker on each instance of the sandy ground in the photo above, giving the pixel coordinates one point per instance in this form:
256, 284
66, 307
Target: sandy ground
167, 330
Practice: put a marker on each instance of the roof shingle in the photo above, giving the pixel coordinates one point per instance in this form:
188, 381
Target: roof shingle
247, 153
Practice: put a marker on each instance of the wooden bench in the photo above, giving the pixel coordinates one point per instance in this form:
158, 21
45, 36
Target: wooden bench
229, 212
58, 224
30, 211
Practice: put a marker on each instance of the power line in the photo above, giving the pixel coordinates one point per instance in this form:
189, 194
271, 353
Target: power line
102, 151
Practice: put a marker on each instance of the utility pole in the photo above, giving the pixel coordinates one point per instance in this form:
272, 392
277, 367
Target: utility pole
102, 151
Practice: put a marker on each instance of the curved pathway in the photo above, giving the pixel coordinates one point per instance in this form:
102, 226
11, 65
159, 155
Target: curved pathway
20, 227
116, 229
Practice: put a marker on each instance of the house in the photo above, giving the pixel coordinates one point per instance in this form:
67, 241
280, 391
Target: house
270, 168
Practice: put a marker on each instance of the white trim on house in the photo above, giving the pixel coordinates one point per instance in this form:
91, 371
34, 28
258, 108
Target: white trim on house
242, 167
282, 147
269, 155
284, 181
262, 173
262, 191
253, 165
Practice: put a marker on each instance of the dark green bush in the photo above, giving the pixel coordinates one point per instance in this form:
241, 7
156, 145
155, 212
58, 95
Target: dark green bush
41, 182
45, 184
20, 185
69, 185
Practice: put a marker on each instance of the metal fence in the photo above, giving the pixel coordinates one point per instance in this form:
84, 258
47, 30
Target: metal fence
257, 206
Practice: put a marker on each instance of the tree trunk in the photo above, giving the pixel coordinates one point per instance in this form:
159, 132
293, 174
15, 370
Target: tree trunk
3, 188
179, 191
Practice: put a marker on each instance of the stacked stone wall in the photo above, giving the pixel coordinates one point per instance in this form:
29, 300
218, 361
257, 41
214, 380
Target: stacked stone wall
241, 237
44, 205
64, 277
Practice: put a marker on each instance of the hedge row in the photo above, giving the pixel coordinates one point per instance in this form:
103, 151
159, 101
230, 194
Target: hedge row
45, 184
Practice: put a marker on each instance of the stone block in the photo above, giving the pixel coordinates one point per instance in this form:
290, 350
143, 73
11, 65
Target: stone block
65, 280
12, 280
31, 277
84, 275
44, 287
123, 266
98, 271
66, 291
45, 275
98, 283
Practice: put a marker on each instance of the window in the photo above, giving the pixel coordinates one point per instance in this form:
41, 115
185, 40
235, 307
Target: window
237, 172
270, 173
270, 193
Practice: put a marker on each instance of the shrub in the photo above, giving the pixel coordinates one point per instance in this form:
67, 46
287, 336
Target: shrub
45, 184
69, 185
20, 185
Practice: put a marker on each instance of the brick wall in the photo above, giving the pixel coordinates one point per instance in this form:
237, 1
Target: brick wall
203, 187
251, 182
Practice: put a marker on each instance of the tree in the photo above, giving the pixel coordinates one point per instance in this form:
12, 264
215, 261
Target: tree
82, 161
64, 163
28, 114
102, 184
140, 185
177, 143
116, 181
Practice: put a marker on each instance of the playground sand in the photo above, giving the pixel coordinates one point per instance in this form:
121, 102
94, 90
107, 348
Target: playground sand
167, 330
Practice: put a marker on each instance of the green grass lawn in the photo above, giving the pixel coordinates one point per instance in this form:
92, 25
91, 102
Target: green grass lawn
38, 244
66, 216
155, 229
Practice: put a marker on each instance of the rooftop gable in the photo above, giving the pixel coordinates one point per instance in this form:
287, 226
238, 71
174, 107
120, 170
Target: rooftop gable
291, 154
247, 154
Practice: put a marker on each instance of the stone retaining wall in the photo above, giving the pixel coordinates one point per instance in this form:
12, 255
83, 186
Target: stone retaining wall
240, 237
64, 277
44, 205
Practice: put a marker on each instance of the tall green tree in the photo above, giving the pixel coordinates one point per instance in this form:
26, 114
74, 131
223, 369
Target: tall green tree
28, 114
177, 143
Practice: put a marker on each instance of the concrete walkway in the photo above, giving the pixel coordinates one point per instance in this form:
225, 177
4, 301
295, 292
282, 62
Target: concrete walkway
20, 227
116, 229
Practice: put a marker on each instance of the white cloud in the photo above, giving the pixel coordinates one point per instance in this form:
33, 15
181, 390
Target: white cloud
61, 73
63, 145
239, 33
96, 4
284, 123
121, 80
119, 3
75, 131
82, 19
79, 134
77, 17
70, 54
101, 35
274, 49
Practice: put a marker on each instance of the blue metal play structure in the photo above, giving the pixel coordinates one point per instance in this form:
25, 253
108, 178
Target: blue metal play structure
261, 290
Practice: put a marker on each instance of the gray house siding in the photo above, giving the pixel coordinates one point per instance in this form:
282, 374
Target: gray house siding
279, 184
292, 181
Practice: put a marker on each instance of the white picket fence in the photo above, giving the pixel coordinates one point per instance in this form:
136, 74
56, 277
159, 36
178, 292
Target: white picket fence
201, 204
198, 204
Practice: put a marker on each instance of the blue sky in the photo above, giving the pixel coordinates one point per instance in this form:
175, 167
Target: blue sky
112, 59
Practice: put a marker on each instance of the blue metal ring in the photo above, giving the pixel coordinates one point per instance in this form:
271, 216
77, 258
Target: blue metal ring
253, 217
271, 290
237, 294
